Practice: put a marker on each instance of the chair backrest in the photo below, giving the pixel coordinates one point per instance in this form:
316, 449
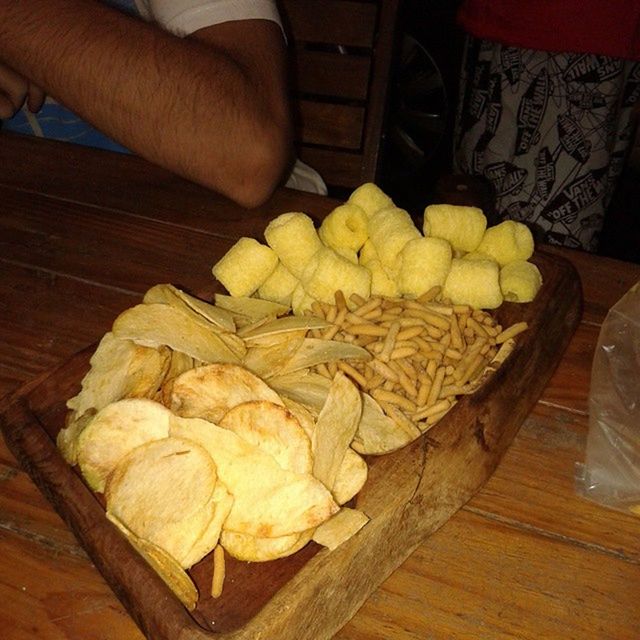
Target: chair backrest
341, 62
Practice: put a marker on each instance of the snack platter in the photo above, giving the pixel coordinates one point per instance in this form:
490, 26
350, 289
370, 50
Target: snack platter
408, 495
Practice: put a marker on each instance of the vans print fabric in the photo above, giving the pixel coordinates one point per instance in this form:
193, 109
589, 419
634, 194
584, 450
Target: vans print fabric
549, 131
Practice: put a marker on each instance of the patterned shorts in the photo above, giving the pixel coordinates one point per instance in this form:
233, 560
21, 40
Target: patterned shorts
549, 131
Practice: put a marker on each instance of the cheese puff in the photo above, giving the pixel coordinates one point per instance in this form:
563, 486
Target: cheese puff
425, 263
474, 282
370, 198
520, 281
476, 255
301, 301
382, 283
279, 286
245, 267
345, 227
329, 271
463, 227
294, 239
348, 254
507, 241
367, 253
389, 230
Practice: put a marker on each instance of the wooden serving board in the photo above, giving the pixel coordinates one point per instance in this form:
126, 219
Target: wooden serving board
409, 494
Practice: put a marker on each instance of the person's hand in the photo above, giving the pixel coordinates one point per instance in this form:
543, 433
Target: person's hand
14, 90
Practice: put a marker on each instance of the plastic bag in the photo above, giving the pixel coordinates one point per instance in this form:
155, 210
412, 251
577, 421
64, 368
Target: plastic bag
610, 474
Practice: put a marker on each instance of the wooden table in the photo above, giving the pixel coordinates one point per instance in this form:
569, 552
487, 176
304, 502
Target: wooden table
83, 233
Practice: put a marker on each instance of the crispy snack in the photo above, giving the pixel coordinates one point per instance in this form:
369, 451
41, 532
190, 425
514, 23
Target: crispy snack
475, 283
463, 227
370, 198
520, 281
279, 286
114, 431
389, 230
219, 572
507, 241
345, 227
340, 528
424, 263
209, 392
250, 548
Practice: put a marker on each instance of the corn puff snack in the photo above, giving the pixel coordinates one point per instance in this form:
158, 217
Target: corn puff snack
474, 282
301, 301
329, 271
463, 227
425, 263
294, 239
520, 281
279, 286
389, 230
345, 227
245, 267
370, 198
507, 241
382, 282
367, 253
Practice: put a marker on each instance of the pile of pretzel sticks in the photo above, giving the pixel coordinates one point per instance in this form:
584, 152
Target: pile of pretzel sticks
426, 352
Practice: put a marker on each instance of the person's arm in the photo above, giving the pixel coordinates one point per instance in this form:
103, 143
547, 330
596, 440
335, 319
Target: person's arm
211, 107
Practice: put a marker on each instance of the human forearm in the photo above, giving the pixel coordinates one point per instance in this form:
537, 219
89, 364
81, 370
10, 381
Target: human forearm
208, 111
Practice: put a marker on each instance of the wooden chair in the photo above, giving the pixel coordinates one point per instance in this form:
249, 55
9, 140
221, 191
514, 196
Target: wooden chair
341, 61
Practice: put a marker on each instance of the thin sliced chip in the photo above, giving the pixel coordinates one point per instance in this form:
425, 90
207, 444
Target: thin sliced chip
168, 294
305, 387
344, 525
285, 325
314, 351
120, 368
267, 357
161, 324
304, 416
163, 491
252, 549
252, 308
273, 429
223, 502
67, 438
269, 501
114, 431
351, 477
378, 433
173, 575
209, 392
335, 427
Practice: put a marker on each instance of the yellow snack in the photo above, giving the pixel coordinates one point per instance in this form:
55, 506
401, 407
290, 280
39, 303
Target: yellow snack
507, 241
475, 255
279, 286
329, 271
245, 267
520, 281
347, 254
301, 301
367, 253
370, 198
462, 227
382, 282
389, 230
345, 227
425, 263
474, 282
294, 239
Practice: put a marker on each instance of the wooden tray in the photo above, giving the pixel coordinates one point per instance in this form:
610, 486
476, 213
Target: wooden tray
409, 494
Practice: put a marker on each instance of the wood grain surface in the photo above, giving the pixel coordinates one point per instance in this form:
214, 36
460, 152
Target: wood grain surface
525, 558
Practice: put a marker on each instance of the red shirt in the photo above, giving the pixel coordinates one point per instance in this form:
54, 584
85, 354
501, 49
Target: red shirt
607, 27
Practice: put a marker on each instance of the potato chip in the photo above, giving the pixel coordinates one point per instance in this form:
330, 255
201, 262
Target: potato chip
351, 477
209, 392
335, 427
168, 294
266, 357
274, 430
67, 438
163, 491
314, 351
252, 549
173, 575
114, 431
269, 501
252, 308
285, 325
161, 324
119, 369
344, 525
